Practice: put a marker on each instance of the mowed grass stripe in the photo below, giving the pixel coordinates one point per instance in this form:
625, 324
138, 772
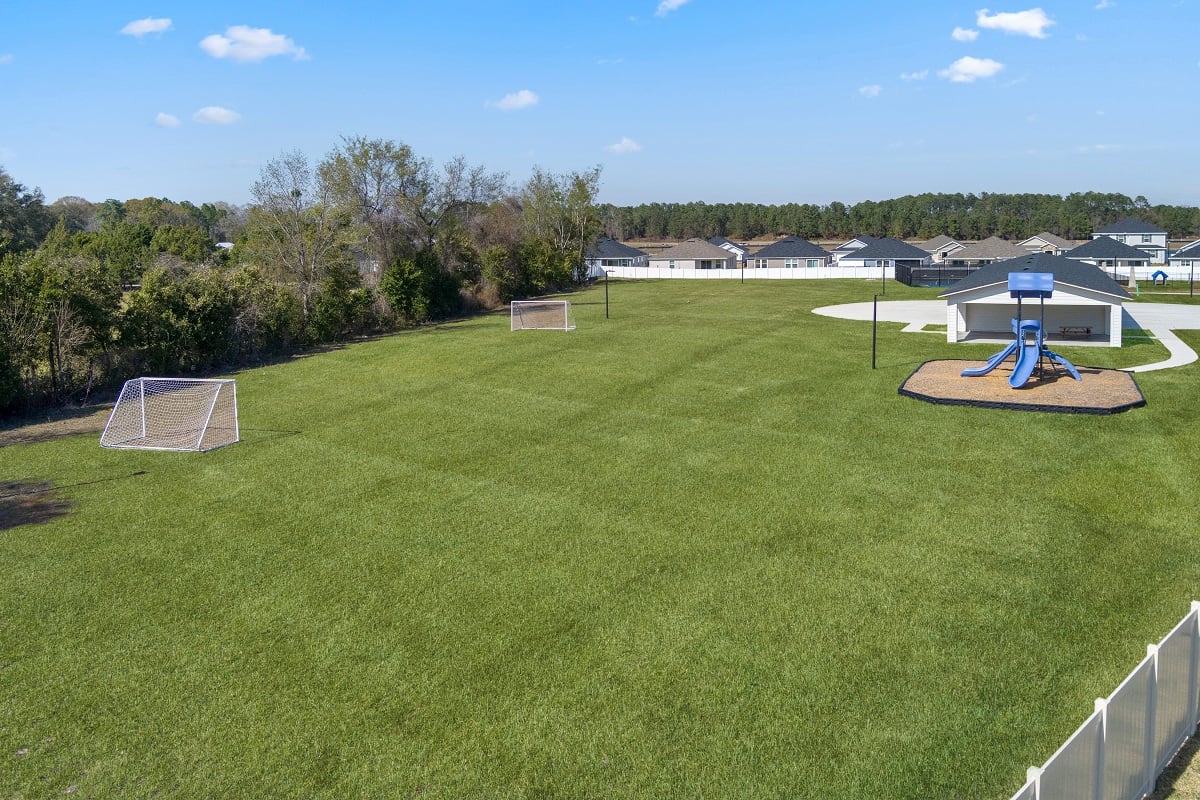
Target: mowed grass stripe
699, 548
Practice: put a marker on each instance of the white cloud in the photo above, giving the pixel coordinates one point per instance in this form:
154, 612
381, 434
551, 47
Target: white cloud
1096, 148
626, 145
1081, 37
1103, 4
164, 120
243, 43
870, 91
914, 76
1025, 23
140, 27
516, 101
6, 58
667, 6
968, 69
215, 115
964, 34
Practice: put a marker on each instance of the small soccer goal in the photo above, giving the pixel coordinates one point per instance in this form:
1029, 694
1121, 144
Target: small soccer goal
552, 315
173, 414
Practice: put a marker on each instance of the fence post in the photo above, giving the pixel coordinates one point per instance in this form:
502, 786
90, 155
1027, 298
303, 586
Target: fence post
1034, 775
1194, 670
1150, 758
1101, 749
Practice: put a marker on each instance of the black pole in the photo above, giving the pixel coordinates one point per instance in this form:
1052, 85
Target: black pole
874, 325
883, 276
1191, 281
606, 294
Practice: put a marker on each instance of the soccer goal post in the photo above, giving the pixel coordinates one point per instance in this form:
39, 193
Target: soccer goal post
173, 414
545, 314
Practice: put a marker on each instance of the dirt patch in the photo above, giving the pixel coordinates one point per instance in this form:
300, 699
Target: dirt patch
63, 423
29, 503
1101, 391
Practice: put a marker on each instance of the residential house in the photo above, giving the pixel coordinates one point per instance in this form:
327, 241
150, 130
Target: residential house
989, 251
851, 247
607, 253
1086, 304
1046, 242
941, 247
694, 254
1186, 260
886, 253
791, 253
1112, 256
1148, 238
740, 250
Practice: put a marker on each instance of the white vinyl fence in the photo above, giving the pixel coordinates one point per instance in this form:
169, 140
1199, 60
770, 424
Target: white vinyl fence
752, 273
1119, 751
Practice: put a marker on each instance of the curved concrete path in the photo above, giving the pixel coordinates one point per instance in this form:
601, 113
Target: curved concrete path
1161, 319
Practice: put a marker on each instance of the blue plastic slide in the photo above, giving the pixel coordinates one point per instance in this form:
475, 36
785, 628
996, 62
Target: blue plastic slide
1070, 367
1026, 363
992, 363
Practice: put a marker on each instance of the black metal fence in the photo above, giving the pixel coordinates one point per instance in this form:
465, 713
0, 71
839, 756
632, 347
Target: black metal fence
933, 274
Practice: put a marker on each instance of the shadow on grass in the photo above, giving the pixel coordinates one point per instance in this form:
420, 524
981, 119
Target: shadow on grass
32, 502
29, 503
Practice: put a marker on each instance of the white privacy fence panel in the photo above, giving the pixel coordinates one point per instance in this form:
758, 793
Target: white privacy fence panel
1122, 747
1126, 771
1072, 771
772, 273
1176, 690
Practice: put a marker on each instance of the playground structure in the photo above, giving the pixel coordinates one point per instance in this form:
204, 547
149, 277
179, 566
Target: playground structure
1028, 344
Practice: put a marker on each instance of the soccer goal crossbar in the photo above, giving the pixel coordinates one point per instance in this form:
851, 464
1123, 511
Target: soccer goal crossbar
186, 414
543, 314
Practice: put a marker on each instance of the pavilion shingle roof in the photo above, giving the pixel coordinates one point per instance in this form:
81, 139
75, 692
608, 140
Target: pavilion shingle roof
1066, 271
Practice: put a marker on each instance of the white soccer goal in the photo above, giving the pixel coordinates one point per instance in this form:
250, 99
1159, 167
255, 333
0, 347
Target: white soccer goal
547, 314
173, 414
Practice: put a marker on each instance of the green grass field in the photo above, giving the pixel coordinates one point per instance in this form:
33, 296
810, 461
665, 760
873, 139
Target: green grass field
699, 549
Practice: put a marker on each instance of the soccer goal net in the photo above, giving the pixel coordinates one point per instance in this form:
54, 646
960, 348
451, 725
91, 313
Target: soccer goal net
549, 314
173, 414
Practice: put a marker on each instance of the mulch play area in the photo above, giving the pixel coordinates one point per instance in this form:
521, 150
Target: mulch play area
1102, 391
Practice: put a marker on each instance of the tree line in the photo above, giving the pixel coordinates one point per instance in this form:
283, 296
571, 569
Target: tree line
369, 239
917, 217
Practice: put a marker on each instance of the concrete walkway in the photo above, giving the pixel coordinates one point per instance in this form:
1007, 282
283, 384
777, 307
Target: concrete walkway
1160, 319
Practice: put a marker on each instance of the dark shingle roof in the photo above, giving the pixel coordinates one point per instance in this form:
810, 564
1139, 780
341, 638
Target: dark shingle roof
1130, 225
1107, 247
1189, 250
721, 241
792, 247
1066, 271
889, 248
866, 240
611, 248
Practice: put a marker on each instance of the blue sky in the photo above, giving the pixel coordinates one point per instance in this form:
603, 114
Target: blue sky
676, 100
